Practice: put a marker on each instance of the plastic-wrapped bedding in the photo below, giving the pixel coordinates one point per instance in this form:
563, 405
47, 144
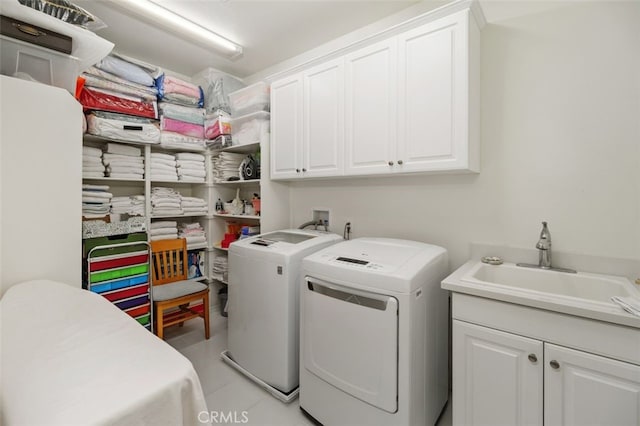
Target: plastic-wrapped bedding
182, 127
182, 113
105, 100
125, 69
97, 78
123, 127
176, 140
179, 91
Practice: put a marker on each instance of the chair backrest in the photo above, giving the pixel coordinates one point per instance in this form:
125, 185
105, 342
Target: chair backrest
170, 261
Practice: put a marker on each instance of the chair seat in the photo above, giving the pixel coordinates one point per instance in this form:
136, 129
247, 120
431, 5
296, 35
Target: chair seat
177, 289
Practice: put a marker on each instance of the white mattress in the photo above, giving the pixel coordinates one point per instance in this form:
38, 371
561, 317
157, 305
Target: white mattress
70, 357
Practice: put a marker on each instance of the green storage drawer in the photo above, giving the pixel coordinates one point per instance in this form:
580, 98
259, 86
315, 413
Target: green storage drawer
90, 243
111, 274
143, 319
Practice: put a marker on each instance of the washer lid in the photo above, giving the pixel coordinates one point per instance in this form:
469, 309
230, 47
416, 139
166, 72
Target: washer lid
283, 236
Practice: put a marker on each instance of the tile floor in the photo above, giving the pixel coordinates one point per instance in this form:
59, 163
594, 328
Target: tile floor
228, 391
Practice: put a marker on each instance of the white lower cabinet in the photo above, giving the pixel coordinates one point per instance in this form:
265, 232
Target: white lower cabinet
502, 378
497, 377
586, 389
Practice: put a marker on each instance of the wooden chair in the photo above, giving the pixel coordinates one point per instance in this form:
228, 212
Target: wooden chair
171, 288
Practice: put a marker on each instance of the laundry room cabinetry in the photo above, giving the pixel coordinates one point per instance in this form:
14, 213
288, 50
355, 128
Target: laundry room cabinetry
307, 122
541, 367
404, 104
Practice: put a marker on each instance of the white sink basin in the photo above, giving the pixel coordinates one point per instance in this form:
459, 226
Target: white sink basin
593, 287
584, 294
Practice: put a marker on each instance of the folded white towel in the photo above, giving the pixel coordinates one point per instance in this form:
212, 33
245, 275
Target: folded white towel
126, 176
89, 175
189, 156
629, 304
89, 187
164, 224
98, 194
91, 151
163, 156
97, 168
163, 231
91, 160
125, 169
191, 173
164, 167
191, 179
196, 239
164, 237
156, 161
116, 148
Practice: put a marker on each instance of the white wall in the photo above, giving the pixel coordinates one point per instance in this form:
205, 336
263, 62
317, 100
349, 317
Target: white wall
560, 142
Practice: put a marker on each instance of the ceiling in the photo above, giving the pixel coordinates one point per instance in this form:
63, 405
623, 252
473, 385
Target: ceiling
269, 31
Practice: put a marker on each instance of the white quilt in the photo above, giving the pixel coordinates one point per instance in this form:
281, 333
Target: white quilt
69, 357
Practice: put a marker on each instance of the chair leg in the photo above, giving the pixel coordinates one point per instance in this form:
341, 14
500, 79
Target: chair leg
206, 315
160, 322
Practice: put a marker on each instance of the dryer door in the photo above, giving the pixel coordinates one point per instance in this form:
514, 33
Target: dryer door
351, 341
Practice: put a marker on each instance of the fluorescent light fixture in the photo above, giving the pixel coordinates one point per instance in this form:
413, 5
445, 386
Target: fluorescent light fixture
157, 13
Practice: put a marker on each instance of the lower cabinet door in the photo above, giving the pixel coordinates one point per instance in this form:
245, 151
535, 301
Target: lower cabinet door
585, 389
497, 377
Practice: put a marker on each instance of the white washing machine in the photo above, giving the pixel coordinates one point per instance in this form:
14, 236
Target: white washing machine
373, 333
263, 306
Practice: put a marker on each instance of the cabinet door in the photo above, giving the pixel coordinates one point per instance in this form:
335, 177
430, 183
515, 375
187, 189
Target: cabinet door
497, 377
323, 141
433, 96
585, 389
370, 127
286, 128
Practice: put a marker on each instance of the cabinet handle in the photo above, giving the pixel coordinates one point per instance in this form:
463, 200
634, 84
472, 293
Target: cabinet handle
297, 170
533, 358
304, 170
399, 161
391, 163
554, 364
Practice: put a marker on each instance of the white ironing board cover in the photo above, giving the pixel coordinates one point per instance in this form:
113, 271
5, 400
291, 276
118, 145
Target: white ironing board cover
70, 357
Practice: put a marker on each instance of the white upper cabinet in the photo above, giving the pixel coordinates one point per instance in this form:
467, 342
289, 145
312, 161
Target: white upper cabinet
371, 109
323, 127
433, 97
286, 128
406, 104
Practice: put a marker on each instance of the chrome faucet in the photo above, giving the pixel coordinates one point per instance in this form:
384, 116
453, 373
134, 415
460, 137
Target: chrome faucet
544, 253
544, 247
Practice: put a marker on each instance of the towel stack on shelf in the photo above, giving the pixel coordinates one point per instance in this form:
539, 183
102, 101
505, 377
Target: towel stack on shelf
165, 230
165, 202
193, 205
192, 232
226, 165
163, 167
123, 161
190, 167
220, 268
182, 115
96, 201
92, 166
123, 90
132, 205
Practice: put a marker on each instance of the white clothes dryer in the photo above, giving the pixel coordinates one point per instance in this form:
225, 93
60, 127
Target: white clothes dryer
374, 333
263, 306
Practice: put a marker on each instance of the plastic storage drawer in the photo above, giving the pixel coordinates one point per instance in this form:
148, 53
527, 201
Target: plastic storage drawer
250, 128
250, 99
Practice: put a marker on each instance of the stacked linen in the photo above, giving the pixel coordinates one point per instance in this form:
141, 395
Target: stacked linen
165, 230
165, 202
96, 201
194, 205
123, 161
133, 205
182, 115
163, 167
92, 166
192, 232
121, 88
226, 166
190, 167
